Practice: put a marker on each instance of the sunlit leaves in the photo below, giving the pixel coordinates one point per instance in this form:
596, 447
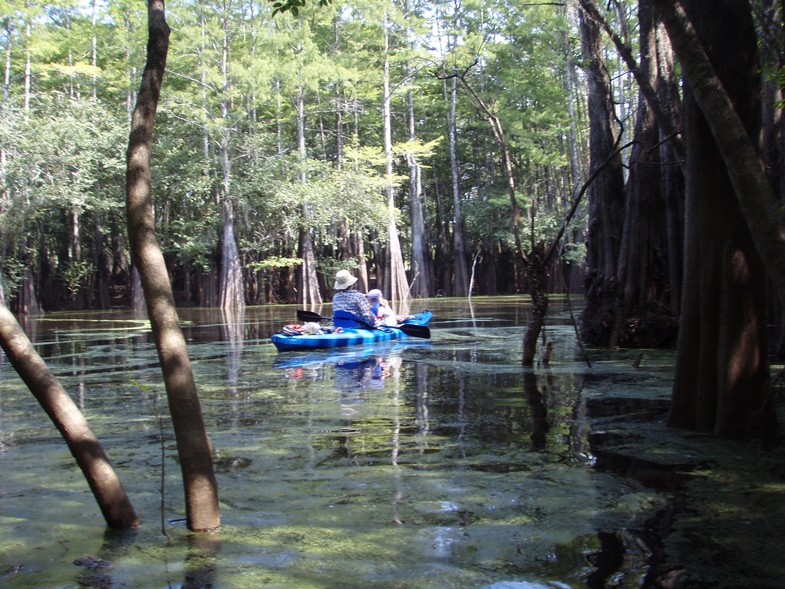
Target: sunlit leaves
293, 6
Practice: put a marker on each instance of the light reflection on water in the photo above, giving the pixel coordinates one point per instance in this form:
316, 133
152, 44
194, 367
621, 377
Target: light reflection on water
410, 464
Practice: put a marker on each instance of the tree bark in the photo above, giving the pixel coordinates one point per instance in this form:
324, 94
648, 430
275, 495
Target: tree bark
643, 317
668, 92
606, 196
421, 261
232, 288
308, 293
722, 362
86, 449
396, 284
193, 446
232, 283
736, 146
460, 275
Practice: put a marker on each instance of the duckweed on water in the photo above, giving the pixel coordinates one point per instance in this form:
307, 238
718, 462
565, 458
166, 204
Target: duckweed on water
422, 464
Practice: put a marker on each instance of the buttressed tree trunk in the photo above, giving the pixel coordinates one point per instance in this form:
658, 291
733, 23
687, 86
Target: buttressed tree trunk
758, 203
606, 196
193, 446
90, 456
722, 362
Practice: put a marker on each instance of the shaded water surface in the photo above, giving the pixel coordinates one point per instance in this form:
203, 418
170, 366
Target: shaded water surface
419, 463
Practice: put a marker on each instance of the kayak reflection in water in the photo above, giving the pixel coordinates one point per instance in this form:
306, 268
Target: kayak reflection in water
368, 373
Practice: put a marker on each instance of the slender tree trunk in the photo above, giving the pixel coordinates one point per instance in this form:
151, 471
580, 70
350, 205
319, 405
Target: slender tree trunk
86, 449
193, 445
396, 283
308, 293
421, 262
28, 69
101, 264
27, 301
362, 262
569, 82
461, 281
232, 287
7, 75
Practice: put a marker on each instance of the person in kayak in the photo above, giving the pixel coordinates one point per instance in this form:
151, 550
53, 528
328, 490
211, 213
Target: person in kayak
351, 307
381, 308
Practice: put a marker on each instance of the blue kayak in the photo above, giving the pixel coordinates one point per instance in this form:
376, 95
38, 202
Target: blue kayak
348, 336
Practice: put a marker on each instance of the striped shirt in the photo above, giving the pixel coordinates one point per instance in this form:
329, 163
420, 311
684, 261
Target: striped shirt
354, 302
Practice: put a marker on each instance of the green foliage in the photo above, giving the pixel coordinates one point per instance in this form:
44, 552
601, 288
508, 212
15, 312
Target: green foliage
292, 5
235, 79
274, 263
13, 272
574, 253
75, 274
63, 157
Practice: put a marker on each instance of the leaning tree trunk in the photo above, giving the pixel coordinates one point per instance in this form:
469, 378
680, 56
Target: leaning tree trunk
193, 446
535, 262
722, 362
90, 456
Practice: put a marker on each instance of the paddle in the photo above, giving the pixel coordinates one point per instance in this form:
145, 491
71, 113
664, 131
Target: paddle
408, 328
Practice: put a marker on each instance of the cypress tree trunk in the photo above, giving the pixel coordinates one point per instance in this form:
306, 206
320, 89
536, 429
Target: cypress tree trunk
460, 274
232, 287
308, 292
722, 362
643, 317
396, 284
672, 183
421, 262
606, 195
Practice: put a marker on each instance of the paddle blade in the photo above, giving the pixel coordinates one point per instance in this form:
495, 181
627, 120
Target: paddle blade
309, 316
411, 330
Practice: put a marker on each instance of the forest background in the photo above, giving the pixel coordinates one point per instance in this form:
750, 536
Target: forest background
435, 148
294, 146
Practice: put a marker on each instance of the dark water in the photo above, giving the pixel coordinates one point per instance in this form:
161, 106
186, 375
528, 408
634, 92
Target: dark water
421, 463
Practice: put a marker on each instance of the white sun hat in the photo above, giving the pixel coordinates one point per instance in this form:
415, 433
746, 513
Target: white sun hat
344, 280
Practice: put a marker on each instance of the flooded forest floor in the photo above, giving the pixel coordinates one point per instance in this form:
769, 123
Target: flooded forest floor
417, 464
726, 510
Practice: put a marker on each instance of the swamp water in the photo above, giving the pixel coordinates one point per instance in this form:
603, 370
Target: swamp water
413, 464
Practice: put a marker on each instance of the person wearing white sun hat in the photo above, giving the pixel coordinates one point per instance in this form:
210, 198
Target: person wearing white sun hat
350, 307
